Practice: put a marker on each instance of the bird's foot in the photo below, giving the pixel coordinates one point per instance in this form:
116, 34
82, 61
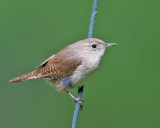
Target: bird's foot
80, 101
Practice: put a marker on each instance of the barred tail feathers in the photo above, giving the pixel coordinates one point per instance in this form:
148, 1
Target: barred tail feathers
31, 75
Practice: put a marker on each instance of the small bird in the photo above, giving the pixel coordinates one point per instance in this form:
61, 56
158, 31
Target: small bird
71, 66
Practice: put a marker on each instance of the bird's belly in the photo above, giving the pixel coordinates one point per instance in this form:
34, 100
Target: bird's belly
82, 73
80, 80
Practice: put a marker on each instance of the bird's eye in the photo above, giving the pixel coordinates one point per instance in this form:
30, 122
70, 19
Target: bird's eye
94, 45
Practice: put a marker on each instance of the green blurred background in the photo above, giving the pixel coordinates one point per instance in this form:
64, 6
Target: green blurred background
123, 93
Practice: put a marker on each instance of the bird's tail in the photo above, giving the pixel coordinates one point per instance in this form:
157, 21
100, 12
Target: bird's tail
31, 75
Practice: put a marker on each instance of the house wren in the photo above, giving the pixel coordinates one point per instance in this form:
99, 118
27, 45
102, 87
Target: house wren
70, 67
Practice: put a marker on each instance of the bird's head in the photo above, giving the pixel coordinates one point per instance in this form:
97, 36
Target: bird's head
92, 46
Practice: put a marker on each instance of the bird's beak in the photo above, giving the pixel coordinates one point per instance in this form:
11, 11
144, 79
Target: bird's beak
110, 44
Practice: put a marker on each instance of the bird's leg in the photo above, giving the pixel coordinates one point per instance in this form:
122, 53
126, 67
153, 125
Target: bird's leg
78, 100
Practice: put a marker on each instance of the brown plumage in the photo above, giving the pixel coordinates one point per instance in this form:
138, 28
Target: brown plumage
24, 77
56, 67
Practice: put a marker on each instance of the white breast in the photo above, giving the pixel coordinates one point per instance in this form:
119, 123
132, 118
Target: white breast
86, 69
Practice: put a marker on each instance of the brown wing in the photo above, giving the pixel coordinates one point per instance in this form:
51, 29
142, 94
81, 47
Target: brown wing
60, 68
45, 62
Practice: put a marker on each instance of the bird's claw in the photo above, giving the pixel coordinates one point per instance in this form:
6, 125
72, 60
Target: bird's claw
80, 101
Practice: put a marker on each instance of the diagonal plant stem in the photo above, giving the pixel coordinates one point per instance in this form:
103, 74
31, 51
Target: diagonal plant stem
80, 90
93, 18
77, 109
